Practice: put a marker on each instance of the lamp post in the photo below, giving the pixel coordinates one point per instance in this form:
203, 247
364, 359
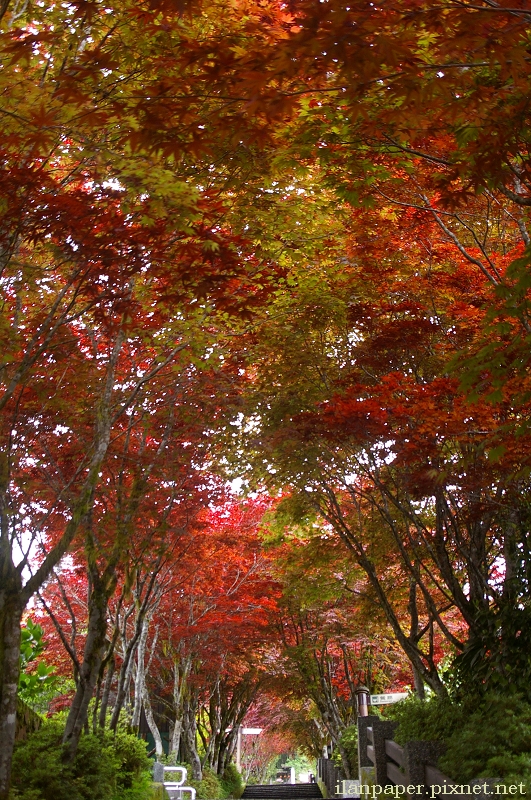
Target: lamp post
363, 696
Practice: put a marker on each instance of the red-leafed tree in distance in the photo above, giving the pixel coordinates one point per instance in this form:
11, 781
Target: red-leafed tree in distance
188, 618
333, 639
272, 714
212, 629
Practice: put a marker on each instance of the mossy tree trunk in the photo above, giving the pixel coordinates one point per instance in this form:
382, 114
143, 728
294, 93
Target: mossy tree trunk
10, 623
93, 654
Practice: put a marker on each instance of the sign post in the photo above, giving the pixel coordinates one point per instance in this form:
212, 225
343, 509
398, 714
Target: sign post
239, 749
242, 731
385, 699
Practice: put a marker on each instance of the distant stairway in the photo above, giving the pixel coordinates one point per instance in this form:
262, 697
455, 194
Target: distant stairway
283, 791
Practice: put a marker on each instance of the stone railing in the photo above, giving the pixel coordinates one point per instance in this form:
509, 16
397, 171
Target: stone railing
384, 763
329, 777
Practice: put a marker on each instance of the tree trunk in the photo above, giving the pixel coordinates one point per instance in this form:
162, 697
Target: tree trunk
189, 739
10, 621
126, 670
181, 670
159, 749
176, 739
142, 698
419, 684
93, 654
140, 674
106, 692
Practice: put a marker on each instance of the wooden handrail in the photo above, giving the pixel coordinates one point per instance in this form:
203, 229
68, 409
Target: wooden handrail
394, 774
403, 766
434, 777
395, 752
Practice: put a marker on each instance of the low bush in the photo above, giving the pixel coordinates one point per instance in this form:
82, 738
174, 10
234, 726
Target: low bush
134, 771
349, 742
209, 788
231, 782
433, 720
106, 767
494, 741
486, 738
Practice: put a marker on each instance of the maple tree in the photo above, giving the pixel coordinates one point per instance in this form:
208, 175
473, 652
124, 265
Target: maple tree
373, 434
413, 81
289, 725
114, 256
188, 628
333, 639
84, 219
419, 105
277, 716
211, 633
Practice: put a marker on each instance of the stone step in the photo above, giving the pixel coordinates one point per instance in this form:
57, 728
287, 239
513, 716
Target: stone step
282, 791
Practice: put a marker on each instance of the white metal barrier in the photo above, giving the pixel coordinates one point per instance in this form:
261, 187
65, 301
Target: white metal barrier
175, 789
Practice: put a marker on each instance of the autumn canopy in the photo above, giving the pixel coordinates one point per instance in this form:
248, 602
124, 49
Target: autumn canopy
286, 243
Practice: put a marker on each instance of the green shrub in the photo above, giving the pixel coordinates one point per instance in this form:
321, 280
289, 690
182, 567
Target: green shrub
487, 738
39, 770
134, 763
432, 720
209, 788
495, 741
37, 680
156, 792
349, 742
105, 767
231, 782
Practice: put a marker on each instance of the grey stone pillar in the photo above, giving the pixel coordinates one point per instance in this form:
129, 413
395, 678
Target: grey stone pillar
416, 755
363, 724
382, 730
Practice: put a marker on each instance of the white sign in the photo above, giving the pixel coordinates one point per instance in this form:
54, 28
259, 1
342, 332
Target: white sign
252, 730
384, 699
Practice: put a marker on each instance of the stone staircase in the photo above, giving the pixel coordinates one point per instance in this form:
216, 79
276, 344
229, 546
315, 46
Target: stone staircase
283, 791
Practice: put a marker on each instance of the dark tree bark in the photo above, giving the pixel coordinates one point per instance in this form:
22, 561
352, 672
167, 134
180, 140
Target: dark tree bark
10, 622
94, 651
